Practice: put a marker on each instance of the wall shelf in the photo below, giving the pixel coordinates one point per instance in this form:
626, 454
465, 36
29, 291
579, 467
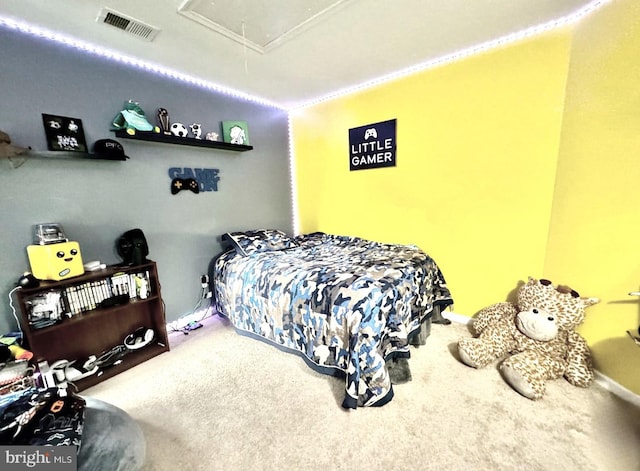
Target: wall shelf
17, 160
57, 154
184, 141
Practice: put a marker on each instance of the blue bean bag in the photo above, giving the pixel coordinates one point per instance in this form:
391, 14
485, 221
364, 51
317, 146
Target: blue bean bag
111, 439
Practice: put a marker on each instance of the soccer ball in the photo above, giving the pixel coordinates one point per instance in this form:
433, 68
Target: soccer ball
179, 129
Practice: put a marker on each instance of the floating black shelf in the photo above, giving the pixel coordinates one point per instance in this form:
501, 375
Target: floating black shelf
61, 154
184, 141
17, 160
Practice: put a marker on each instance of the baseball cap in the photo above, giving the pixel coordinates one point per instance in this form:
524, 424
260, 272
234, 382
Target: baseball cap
108, 149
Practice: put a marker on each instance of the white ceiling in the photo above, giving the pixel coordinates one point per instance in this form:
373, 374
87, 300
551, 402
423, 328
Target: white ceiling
290, 52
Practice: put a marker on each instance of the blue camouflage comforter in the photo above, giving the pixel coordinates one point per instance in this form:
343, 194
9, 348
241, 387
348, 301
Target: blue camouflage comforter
345, 303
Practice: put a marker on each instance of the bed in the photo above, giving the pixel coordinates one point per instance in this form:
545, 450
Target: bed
346, 304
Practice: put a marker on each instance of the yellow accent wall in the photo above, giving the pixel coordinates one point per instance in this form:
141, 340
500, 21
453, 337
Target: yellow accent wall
523, 160
594, 237
477, 146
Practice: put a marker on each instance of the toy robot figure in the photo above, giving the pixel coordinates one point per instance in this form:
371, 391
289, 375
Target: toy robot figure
196, 129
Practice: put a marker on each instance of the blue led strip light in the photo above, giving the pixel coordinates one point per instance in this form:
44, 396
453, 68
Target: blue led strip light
458, 55
207, 85
163, 71
295, 219
130, 61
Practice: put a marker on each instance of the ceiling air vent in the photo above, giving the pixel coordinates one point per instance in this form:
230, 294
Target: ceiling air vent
128, 24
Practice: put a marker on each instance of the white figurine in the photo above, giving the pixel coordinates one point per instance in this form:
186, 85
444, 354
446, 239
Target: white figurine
143, 287
196, 129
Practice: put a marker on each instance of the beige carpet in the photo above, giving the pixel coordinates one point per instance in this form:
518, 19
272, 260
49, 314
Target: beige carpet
221, 401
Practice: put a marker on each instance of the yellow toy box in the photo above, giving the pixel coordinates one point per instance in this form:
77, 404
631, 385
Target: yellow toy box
57, 261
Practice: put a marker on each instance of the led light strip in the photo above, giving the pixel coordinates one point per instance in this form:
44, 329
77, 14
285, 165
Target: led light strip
130, 61
458, 55
510, 38
207, 85
295, 221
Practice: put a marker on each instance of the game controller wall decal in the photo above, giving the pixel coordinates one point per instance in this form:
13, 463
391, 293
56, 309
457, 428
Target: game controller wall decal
179, 184
195, 180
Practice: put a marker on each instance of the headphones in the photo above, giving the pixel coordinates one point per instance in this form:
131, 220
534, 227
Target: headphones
140, 338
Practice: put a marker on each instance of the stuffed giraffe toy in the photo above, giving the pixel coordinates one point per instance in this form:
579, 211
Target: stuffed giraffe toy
535, 338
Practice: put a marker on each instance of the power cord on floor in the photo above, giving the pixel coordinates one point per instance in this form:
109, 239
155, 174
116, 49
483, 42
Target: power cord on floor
195, 324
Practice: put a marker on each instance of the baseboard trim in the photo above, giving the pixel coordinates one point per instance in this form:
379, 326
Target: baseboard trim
617, 389
455, 317
602, 379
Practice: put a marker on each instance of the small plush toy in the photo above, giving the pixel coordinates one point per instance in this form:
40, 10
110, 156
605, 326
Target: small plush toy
132, 118
536, 337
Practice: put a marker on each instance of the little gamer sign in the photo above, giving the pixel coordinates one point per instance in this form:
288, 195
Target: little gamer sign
373, 145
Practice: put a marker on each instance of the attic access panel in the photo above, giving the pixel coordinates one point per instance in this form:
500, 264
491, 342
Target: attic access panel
258, 24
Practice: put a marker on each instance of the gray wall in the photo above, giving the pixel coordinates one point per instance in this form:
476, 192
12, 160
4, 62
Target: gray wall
96, 201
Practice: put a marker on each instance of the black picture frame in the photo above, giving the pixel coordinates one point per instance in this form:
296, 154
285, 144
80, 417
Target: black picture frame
64, 133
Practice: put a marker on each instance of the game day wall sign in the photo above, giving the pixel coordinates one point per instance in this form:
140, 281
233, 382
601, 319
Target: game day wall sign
373, 145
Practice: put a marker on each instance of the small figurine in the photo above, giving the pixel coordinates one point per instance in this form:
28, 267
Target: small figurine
196, 129
212, 136
163, 119
142, 286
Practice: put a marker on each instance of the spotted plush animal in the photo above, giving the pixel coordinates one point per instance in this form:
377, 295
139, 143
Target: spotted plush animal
536, 337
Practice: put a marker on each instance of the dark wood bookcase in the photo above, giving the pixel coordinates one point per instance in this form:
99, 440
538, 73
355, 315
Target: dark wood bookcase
94, 330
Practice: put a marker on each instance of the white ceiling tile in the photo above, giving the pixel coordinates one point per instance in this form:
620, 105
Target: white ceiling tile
259, 24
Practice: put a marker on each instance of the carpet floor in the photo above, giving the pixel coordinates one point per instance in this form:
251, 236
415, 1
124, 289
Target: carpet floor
222, 401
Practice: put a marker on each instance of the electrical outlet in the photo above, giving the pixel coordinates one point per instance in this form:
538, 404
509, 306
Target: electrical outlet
204, 281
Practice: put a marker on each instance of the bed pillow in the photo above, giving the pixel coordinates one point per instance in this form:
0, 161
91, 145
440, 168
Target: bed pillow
250, 242
313, 238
